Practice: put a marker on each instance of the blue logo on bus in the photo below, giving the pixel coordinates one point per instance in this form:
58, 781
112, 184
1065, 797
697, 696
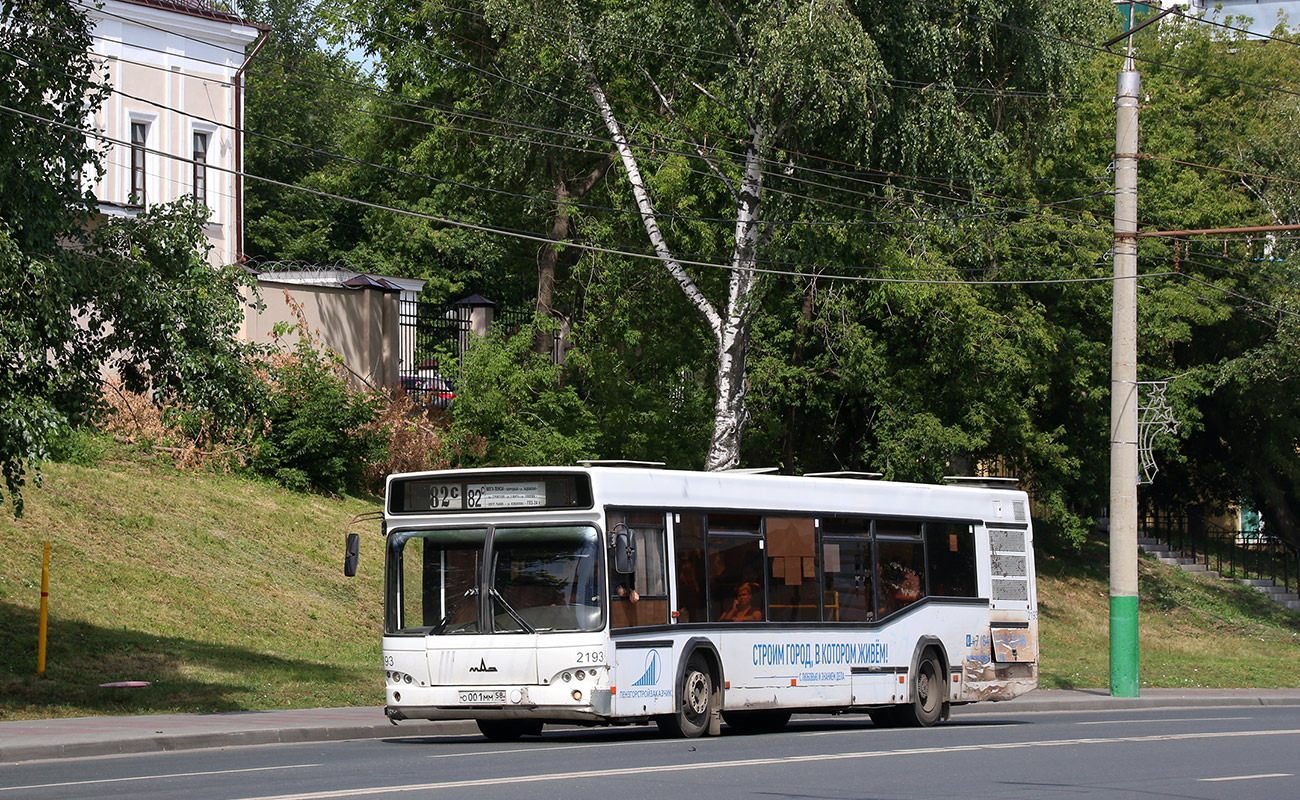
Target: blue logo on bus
652, 670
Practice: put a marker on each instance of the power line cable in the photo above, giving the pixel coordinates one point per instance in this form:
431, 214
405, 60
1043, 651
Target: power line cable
782, 166
524, 235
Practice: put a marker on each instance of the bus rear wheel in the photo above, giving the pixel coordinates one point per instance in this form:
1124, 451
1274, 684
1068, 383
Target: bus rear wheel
756, 721
928, 692
695, 703
507, 730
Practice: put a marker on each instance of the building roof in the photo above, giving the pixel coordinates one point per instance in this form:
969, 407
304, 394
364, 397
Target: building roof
207, 9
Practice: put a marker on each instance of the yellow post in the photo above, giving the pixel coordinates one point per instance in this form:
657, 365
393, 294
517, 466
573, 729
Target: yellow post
45, 609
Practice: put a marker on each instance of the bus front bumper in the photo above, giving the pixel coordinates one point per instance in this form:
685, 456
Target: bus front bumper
545, 703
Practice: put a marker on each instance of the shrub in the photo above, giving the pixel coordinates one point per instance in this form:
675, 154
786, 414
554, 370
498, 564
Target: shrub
320, 433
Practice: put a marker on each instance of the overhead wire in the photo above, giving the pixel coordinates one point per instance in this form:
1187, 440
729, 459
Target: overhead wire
837, 176
550, 201
1102, 50
685, 153
524, 235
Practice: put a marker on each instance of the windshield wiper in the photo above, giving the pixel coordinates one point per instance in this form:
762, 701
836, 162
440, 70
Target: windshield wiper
513, 614
451, 612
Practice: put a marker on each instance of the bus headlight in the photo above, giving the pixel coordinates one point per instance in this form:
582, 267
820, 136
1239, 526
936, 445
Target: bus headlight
577, 695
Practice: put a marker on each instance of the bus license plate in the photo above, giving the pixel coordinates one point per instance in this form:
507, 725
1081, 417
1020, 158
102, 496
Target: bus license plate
495, 696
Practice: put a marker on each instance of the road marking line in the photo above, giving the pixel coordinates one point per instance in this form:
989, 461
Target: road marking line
874, 729
511, 751
1148, 721
155, 777
1247, 777
604, 774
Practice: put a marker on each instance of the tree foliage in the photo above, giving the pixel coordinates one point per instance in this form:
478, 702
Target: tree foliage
881, 234
82, 294
320, 433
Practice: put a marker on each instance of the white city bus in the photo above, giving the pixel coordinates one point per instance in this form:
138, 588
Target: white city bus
610, 595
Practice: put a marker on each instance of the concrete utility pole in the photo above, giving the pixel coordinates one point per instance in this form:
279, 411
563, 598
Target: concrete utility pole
1124, 391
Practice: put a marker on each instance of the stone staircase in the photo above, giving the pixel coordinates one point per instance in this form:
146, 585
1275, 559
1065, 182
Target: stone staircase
1167, 555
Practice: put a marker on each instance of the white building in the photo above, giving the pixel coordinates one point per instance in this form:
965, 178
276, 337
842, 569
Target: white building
1265, 15
174, 117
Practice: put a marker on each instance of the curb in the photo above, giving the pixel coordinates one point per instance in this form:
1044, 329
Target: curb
116, 737
10, 753
1030, 705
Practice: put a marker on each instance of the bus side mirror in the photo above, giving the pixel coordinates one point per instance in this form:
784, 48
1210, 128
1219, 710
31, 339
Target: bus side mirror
624, 551
352, 554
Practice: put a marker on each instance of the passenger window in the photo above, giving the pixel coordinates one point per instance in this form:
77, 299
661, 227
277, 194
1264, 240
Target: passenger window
792, 569
950, 548
901, 574
735, 569
688, 533
847, 580
639, 597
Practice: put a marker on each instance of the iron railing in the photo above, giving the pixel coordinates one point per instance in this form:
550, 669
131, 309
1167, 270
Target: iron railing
1234, 554
431, 339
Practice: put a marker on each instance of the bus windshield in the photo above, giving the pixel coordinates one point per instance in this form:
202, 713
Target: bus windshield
542, 579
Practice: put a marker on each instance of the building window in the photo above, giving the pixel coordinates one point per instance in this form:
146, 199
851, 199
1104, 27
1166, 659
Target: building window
201, 168
139, 133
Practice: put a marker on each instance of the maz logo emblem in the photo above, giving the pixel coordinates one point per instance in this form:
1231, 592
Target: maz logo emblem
482, 667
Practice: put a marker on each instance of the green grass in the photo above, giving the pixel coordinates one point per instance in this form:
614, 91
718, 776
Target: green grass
1194, 631
224, 593
228, 594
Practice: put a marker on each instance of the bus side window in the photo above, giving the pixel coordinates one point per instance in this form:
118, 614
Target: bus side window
736, 571
688, 537
950, 549
902, 574
846, 580
847, 573
640, 597
792, 569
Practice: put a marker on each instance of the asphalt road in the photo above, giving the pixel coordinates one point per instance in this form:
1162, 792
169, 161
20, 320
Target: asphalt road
1246, 752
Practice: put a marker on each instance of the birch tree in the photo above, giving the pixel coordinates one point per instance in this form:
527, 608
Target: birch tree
729, 90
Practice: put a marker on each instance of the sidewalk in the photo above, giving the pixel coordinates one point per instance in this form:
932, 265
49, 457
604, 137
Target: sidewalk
95, 736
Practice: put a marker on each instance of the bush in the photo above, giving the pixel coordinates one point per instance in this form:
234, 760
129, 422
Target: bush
513, 407
320, 433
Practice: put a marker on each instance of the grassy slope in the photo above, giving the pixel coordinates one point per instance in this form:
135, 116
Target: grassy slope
1195, 632
229, 594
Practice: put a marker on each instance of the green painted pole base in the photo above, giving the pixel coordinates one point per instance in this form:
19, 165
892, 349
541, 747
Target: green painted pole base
1124, 646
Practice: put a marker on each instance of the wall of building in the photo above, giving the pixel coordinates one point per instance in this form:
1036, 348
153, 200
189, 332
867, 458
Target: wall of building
1263, 13
174, 71
361, 325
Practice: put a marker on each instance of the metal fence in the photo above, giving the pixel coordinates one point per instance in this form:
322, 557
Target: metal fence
431, 338
515, 317
1236, 555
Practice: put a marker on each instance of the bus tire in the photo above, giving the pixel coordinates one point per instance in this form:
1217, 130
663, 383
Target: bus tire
928, 694
695, 703
507, 730
766, 721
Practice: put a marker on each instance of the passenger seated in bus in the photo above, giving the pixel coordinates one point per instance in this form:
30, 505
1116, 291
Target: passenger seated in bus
742, 608
900, 587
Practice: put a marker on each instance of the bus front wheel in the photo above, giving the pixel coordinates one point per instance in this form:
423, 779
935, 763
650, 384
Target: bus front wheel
695, 703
